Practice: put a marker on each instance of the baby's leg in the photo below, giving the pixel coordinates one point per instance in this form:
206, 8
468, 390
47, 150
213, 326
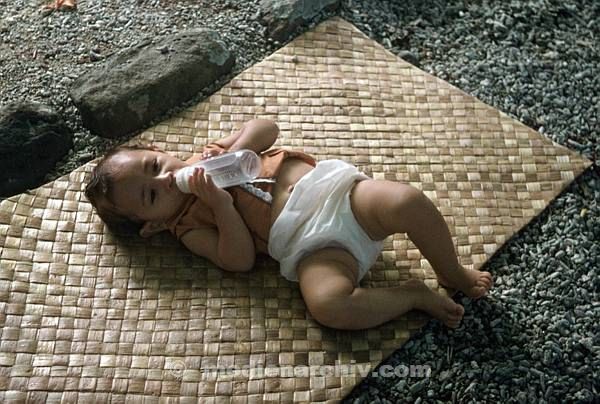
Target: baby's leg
328, 282
383, 208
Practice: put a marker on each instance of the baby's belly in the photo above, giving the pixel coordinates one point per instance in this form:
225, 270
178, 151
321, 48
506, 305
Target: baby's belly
291, 171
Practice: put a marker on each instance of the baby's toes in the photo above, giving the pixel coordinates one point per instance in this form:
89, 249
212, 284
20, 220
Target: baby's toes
456, 312
453, 322
485, 280
478, 290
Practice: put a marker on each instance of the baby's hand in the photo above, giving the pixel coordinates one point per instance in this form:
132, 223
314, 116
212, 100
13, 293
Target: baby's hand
211, 153
204, 188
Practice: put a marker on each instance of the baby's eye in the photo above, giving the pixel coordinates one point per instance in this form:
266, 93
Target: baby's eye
155, 166
152, 196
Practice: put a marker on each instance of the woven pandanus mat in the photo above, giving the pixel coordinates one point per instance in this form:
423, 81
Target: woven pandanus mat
89, 315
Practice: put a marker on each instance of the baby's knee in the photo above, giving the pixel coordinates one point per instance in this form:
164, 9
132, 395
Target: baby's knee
331, 312
330, 318
408, 197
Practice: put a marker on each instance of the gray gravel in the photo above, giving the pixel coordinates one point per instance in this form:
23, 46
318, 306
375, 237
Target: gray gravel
41, 55
536, 337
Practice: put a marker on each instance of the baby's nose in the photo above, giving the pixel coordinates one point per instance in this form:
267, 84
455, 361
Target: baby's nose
166, 180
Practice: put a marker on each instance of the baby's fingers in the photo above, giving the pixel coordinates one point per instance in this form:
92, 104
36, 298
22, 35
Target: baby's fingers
211, 153
209, 182
196, 181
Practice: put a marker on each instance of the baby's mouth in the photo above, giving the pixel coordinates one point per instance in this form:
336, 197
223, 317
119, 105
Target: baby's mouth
171, 179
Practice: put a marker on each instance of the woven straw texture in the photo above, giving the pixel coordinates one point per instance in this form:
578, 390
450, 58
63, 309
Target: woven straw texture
87, 315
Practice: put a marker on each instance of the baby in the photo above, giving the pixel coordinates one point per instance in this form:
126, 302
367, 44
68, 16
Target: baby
325, 224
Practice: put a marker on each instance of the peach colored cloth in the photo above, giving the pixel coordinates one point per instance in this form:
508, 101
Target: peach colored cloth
255, 212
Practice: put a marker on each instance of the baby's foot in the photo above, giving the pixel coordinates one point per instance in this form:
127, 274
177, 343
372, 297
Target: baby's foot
472, 283
438, 306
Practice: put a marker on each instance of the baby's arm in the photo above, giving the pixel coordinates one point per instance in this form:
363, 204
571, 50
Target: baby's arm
230, 246
227, 247
257, 135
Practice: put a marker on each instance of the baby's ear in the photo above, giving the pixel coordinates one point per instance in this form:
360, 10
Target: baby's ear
149, 229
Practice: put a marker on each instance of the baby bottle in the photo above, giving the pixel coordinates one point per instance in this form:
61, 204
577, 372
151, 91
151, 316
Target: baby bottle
226, 170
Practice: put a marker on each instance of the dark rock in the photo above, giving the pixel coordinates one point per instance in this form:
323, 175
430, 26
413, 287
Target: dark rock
282, 17
418, 386
409, 57
33, 138
144, 82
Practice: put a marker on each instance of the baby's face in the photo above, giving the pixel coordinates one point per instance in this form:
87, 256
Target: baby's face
145, 187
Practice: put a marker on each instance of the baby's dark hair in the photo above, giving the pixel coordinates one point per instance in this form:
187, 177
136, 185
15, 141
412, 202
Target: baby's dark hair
100, 192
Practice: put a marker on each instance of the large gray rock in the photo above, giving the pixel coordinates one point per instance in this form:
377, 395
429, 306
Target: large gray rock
282, 17
142, 83
33, 138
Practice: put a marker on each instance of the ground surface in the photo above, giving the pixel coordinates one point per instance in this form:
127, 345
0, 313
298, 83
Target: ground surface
536, 338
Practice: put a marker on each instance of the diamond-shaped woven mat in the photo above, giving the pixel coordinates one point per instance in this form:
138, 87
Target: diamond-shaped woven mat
87, 315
